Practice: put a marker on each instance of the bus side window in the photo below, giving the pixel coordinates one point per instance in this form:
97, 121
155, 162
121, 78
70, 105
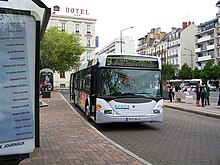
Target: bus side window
85, 80
75, 81
87, 83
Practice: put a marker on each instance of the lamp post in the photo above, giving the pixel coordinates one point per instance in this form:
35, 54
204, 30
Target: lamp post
121, 36
190, 55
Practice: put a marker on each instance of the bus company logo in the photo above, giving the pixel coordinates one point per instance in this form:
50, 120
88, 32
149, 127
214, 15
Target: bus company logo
56, 8
121, 106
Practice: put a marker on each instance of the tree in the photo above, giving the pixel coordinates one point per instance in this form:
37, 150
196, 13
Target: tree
59, 51
185, 72
206, 72
196, 73
168, 72
215, 72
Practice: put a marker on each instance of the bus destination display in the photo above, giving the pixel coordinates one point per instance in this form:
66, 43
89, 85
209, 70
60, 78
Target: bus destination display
127, 61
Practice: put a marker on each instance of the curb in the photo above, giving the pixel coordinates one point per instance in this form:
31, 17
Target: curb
196, 112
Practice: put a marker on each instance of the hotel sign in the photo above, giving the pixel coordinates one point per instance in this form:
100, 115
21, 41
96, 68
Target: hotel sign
76, 11
72, 11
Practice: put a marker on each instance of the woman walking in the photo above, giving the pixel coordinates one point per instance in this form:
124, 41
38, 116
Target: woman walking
170, 90
197, 94
219, 98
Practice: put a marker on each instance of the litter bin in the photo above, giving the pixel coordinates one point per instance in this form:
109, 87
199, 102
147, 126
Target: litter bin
46, 94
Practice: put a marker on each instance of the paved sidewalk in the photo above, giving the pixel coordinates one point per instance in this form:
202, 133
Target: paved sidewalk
67, 139
211, 110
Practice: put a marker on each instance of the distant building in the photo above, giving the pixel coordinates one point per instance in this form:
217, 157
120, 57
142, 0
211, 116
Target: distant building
84, 28
207, 43
181, 45
176, 47
128, 46
217, 50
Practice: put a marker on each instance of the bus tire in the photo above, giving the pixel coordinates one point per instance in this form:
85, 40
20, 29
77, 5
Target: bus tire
74, 101
87, 113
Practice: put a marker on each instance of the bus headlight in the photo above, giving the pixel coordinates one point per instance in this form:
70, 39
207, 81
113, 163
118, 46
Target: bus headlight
156, 111
107, 111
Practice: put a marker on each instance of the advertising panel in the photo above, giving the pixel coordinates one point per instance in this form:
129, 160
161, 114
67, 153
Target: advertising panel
17, 70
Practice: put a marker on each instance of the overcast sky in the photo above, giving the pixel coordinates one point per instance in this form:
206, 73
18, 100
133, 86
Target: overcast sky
114, 15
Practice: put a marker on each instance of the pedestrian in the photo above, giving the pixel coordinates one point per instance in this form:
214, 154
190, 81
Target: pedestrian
173, 92
170, 90
207, 94
202, 93
197, 90
219, 97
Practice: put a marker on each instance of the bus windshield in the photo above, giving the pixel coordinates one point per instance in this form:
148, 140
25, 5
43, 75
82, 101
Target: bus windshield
130, 82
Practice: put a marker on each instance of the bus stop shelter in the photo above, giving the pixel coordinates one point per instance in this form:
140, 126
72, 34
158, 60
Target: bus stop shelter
23, 23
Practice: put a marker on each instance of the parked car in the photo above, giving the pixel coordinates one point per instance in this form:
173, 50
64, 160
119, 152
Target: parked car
213, 88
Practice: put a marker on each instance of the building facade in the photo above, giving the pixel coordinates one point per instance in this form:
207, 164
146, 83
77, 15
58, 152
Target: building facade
84, 29
217, 51
127, 45
149, 41
176, 47
207, 43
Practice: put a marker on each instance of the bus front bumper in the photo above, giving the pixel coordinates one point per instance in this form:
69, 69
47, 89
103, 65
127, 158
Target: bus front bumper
102, 118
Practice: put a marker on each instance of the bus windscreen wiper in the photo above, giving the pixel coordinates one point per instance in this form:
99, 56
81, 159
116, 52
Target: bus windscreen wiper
133, 95
149, 95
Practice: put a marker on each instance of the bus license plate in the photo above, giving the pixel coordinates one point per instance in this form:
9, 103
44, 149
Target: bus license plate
133, 119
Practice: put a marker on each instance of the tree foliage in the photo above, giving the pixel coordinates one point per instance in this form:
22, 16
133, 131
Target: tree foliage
209, 72
206, 72
59, 51
216, 72
168, 72
196, 73
185, 72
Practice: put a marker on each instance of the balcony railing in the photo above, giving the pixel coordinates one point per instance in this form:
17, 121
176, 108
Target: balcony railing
211, 47
172, 46
206, 38
204, 58
197, 50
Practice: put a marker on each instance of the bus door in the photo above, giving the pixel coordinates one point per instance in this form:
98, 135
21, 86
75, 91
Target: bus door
93, 91
71, 88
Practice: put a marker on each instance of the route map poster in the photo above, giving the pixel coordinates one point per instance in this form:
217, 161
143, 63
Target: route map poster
17, 53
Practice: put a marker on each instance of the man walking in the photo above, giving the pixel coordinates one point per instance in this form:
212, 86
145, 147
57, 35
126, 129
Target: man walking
203, 93
197, 94
219, 97
207, 94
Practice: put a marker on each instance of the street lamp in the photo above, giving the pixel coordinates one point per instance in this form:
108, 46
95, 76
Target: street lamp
190, 55
121, 36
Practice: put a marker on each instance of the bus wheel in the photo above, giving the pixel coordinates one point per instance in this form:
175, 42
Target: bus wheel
74, 101
87, 113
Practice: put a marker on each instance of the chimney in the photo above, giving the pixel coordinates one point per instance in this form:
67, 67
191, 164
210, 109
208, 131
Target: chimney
173, 29
184, 25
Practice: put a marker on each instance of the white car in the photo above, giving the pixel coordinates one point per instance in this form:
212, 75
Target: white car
213, 88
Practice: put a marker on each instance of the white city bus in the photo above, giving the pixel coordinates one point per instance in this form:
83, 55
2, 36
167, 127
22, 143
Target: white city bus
119, 88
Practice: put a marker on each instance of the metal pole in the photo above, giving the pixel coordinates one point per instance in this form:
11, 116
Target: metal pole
191, 59
121, 36
121, 41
